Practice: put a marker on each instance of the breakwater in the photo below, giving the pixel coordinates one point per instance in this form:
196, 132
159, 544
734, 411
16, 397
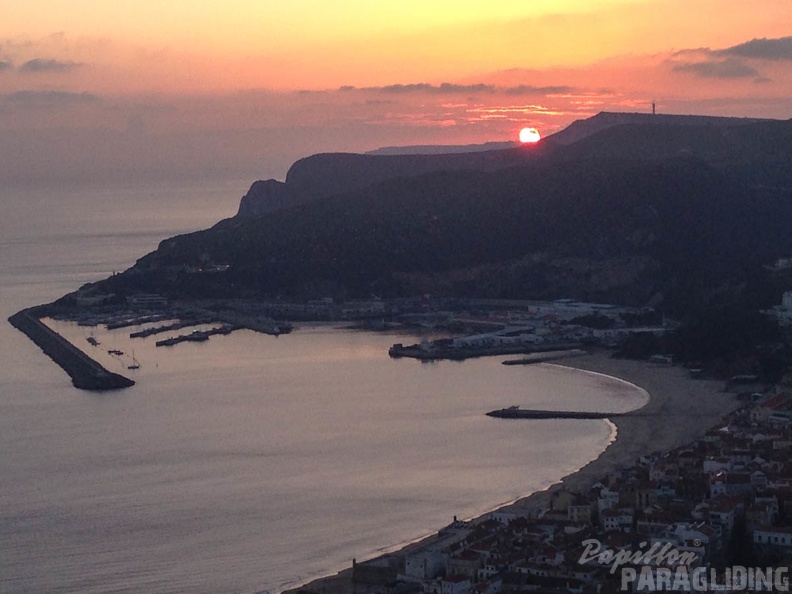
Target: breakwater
85, 373
515, 412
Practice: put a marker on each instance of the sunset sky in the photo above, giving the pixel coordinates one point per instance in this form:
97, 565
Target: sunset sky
90, 88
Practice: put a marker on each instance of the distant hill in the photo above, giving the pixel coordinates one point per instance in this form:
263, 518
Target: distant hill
327, 174
434, 149
581, 129
681, 216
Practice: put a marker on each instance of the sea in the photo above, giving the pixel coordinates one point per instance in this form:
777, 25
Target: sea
247, 463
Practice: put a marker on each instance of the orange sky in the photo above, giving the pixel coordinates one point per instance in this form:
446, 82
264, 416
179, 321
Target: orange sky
311, 75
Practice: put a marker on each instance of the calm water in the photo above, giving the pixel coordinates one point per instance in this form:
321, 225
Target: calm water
248, 462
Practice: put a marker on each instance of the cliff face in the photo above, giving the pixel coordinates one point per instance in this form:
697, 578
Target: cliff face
330, 174
264, 197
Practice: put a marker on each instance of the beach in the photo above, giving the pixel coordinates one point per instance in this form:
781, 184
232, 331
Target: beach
678, 410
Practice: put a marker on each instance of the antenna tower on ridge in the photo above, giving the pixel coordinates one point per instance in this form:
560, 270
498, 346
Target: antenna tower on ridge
654, 107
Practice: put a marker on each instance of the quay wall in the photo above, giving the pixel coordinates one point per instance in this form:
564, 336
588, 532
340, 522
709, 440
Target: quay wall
85, 373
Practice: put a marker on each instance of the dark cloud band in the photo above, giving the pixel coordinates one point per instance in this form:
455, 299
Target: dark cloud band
761, 49
453, 89
38, 65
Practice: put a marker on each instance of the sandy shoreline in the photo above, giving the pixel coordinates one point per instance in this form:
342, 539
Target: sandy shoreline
679, 410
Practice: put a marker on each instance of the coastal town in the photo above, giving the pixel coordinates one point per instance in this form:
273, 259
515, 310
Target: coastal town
720, 501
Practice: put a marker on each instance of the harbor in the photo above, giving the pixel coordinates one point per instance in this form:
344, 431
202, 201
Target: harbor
87, 373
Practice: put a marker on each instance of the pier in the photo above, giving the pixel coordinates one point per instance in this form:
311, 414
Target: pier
515, 412
198, 335
546, 357
437, 351
85, 373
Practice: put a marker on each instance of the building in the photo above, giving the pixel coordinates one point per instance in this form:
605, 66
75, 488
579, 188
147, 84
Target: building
426, 565
773, 537
456, 584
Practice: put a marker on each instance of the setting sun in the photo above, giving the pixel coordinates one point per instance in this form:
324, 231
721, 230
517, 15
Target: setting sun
529, 135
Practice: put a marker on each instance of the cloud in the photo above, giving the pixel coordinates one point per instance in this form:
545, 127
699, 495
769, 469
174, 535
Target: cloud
47, 98
5, 65
733, 62
729, 68
761, 49
453, 89
532, 90
38, 65
441, 89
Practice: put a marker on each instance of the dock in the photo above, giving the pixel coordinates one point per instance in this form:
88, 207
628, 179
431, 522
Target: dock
84, 372
197, 335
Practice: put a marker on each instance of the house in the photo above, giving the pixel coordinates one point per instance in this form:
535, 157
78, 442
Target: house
758, 480
773, 537
663, 472
608, 499
456, 584
714, 464
465, 563
617, 520
580, 512
760, 514
493, 586
724, 511
738, 484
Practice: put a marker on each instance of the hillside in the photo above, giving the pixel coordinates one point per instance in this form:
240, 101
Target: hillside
681, 216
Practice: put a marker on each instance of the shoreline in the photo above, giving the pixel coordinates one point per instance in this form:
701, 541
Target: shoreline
678, 410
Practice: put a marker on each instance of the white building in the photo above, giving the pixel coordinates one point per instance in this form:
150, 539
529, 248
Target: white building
774, 537
608, 499
617, 520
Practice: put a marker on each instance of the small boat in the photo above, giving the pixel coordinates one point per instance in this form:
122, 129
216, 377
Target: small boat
115, 352
135, 363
